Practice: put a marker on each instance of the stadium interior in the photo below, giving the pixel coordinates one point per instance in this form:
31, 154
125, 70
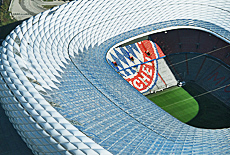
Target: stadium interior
65, 79
202, 60
197, 58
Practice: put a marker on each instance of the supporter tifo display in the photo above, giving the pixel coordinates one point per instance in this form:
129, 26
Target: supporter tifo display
138, 64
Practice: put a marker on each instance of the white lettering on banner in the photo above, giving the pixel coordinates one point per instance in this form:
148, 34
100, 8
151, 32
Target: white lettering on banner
147, 70
136, 85
145, 77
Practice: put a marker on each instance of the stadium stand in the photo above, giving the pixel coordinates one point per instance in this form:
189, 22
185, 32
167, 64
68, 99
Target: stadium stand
63, 97
206, 71
190, 40
166, 75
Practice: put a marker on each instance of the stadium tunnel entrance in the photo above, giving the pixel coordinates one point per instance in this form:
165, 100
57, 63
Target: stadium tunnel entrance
194, 57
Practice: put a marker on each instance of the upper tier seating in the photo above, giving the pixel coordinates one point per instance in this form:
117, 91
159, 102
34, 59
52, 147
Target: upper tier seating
206, 71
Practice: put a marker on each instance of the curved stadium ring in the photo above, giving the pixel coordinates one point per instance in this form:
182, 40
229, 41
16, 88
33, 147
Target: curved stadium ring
63, 97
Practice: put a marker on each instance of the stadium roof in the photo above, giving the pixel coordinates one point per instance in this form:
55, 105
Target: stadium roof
64, 98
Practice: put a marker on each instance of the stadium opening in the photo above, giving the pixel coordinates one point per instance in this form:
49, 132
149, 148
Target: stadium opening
187, 79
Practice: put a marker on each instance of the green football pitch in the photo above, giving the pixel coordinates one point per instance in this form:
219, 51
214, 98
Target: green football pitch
177, 102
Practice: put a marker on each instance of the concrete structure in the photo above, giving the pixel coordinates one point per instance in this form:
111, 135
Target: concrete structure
23, 9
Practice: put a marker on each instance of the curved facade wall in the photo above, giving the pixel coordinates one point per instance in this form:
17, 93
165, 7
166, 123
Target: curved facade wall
53, 65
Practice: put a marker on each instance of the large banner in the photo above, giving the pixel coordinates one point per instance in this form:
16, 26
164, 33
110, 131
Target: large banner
137, 63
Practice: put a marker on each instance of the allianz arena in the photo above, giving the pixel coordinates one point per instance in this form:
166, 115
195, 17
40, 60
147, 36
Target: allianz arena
63, 97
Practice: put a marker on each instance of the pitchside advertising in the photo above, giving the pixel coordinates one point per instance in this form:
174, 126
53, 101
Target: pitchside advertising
137, 63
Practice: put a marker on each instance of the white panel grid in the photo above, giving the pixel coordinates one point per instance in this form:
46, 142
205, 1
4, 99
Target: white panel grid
76, 26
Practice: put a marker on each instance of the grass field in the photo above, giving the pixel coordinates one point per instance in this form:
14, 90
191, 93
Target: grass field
177, 102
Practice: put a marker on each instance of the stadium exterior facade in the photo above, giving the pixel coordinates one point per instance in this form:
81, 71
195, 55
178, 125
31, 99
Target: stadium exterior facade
64, 98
